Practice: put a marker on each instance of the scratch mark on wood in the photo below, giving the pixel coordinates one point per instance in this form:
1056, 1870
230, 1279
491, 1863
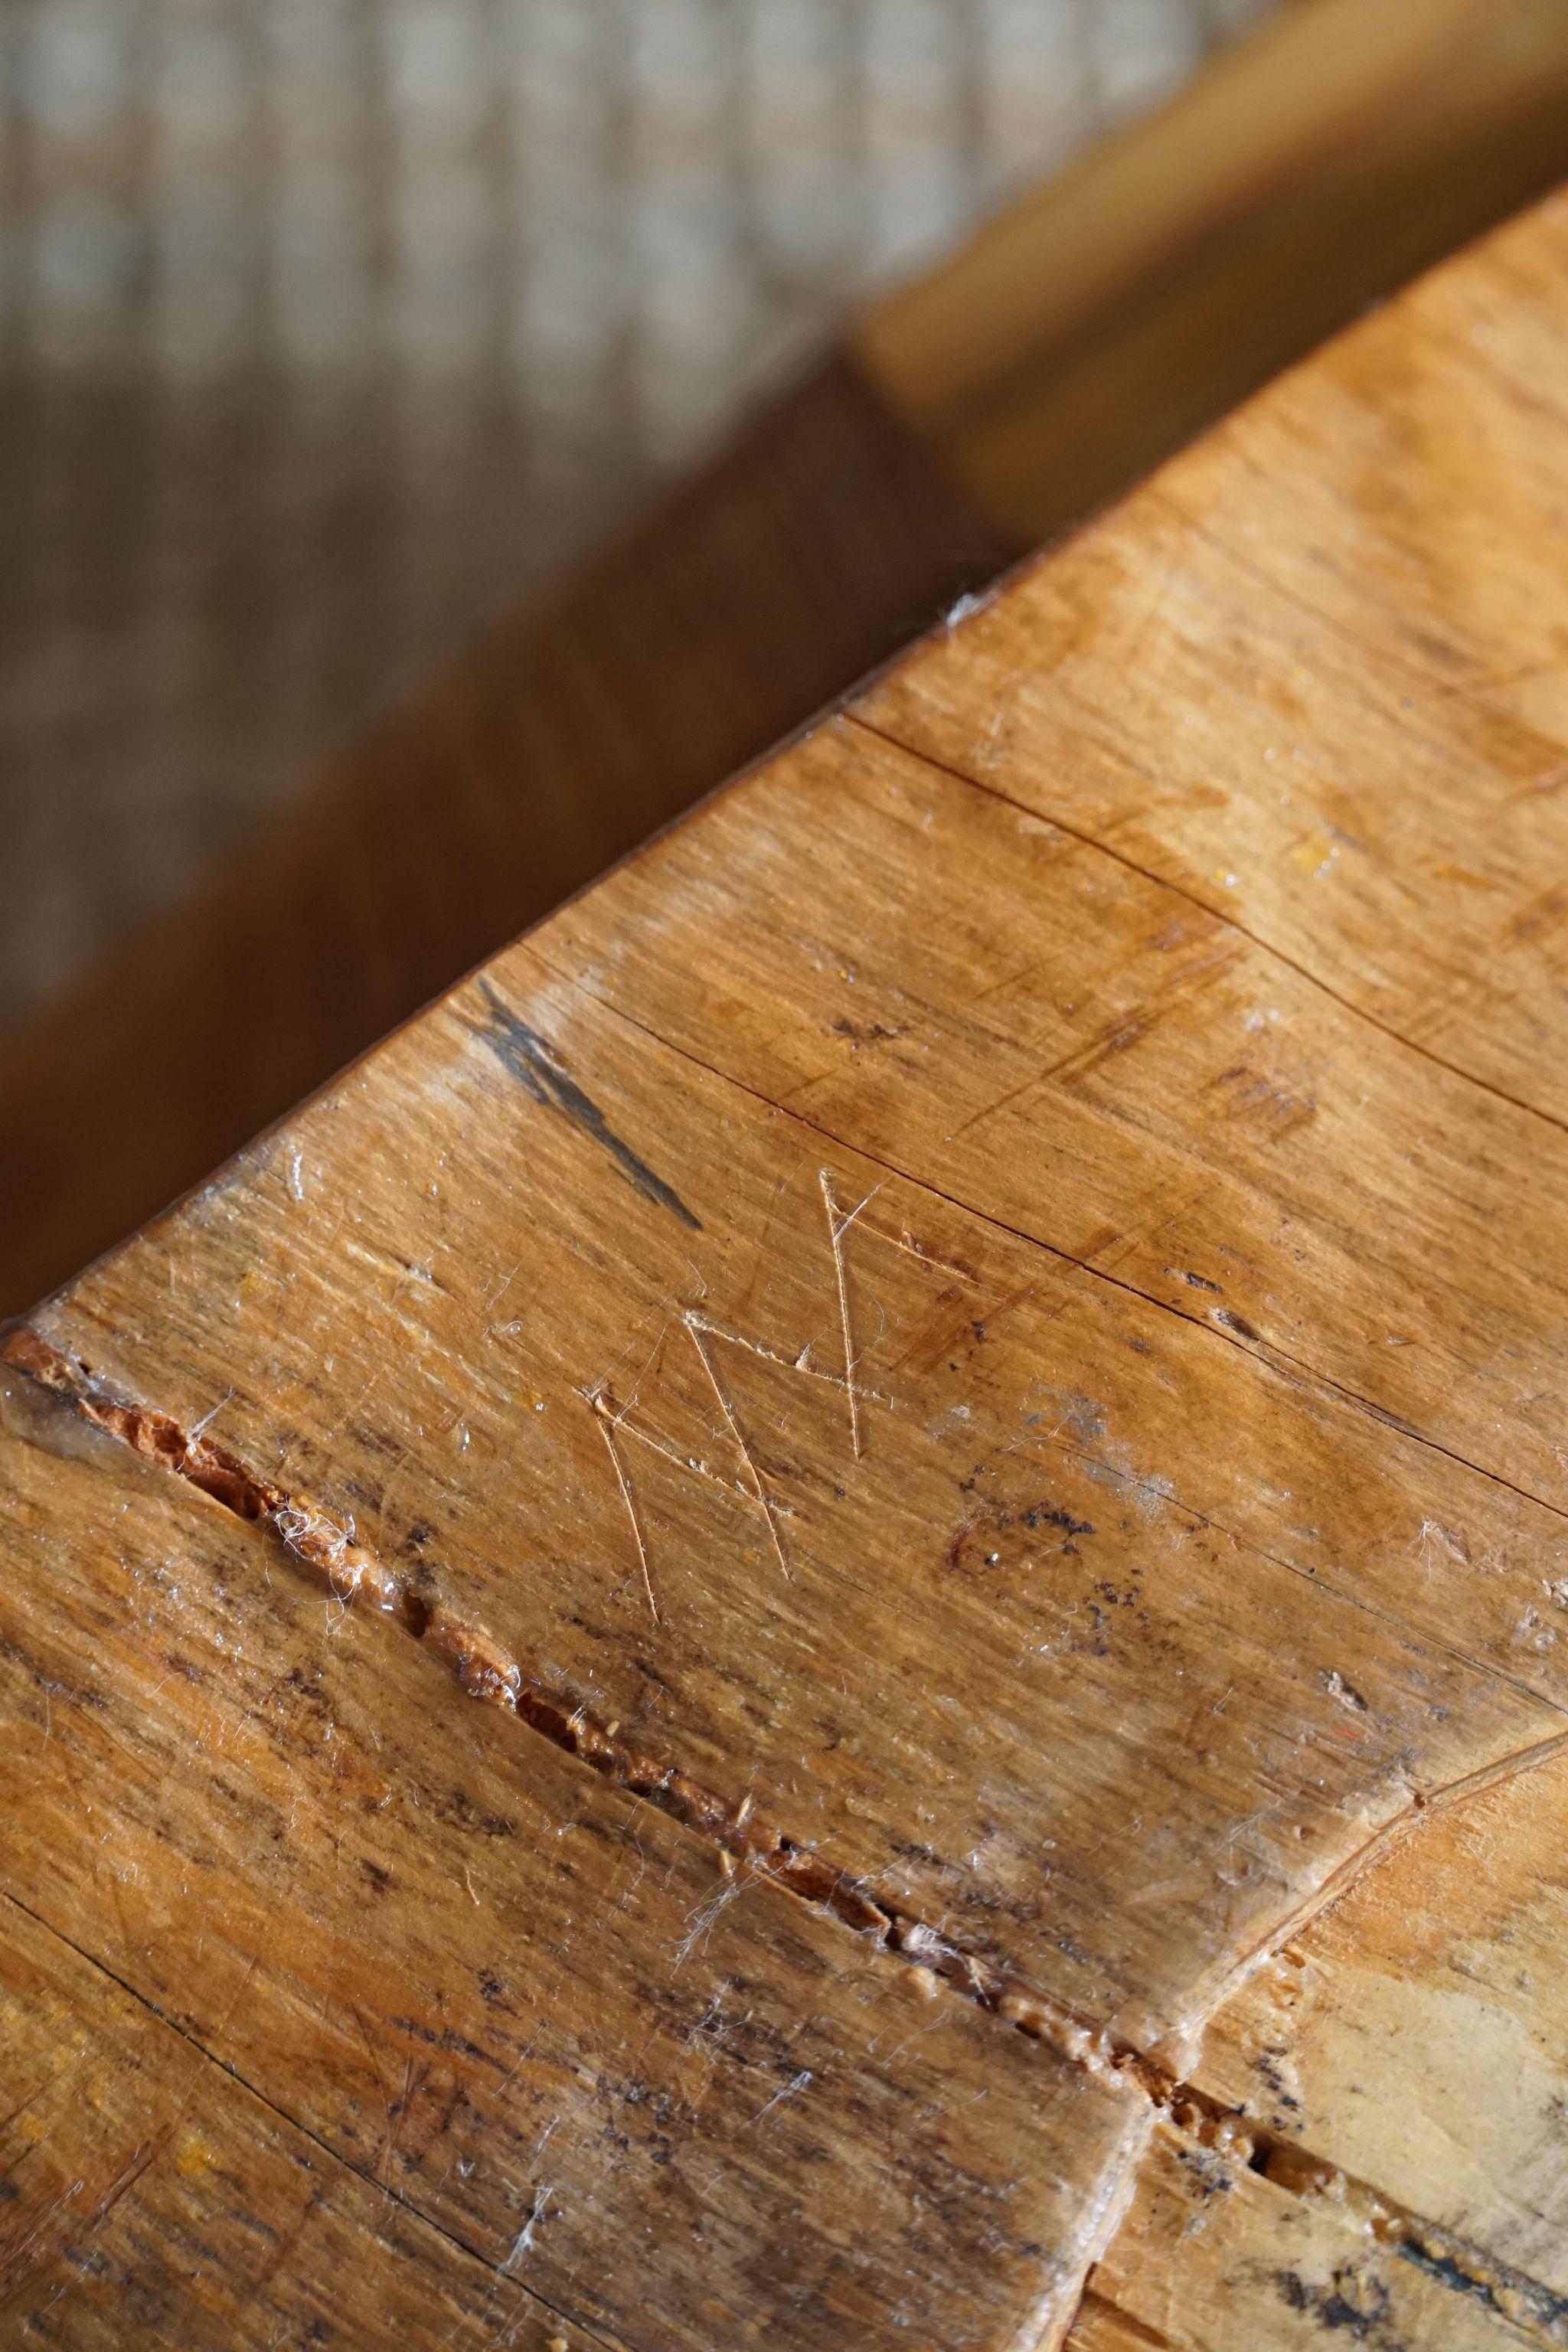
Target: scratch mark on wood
607, 1424
696, 1327
922, 1253
799, 1363
523, 2244
704, 1916
796, 2083
529, 1057
626, 1427
838, 1226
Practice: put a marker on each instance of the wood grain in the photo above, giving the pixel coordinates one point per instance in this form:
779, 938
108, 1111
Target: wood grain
995, 1425
1359, 571
1221, 1133
151, 2196
723, 1618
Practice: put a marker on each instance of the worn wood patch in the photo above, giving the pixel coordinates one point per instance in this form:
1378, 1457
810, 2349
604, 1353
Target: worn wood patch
1080, 1053
1312, 677
145, 2195
1414, 2035
1214, 2255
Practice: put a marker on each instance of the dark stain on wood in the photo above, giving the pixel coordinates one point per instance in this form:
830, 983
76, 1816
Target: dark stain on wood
527, 1056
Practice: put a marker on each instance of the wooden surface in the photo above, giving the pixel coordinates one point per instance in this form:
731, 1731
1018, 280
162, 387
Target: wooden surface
966, 419
835, 1617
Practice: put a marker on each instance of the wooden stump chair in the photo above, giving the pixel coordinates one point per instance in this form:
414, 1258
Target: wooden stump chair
835, 1617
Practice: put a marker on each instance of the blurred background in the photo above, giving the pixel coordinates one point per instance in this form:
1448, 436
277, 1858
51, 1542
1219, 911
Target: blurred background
328, 327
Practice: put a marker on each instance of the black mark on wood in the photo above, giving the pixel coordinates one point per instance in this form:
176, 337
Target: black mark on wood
529, 1058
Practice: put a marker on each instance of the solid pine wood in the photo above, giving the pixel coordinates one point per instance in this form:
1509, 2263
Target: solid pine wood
836, 1616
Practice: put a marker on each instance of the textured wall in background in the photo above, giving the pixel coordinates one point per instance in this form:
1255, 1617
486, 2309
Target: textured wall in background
326, 326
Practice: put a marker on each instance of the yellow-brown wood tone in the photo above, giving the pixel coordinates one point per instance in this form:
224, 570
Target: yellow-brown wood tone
1414, 2038
1411, 2037
1082, 338
835, 1617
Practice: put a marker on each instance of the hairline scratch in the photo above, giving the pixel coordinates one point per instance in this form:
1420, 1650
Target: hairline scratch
607, 1424
838, 1226
695, 1327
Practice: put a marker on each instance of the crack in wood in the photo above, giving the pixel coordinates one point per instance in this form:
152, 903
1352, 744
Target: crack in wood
485, 1670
